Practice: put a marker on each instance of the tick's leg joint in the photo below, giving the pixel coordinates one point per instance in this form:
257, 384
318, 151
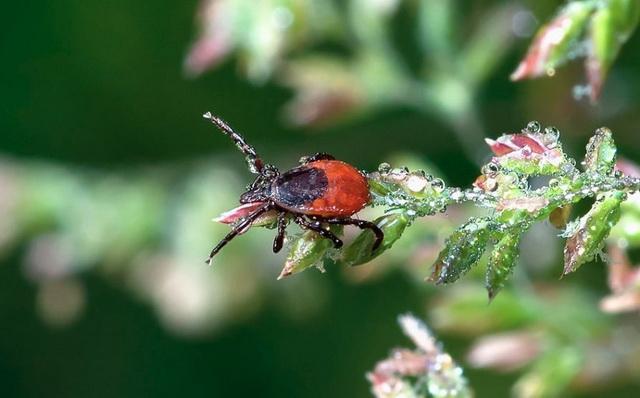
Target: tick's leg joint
316, 226
362, 224
278, 242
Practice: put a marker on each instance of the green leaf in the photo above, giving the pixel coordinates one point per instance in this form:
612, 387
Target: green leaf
462, 251
502, 261
359, 251
307, 251
554, 42
625, 14
567, 28
603, 37
601, 152
587, 237
551, 374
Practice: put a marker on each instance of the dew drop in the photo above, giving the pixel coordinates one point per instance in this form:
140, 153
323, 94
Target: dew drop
533, 127
552, 132
438, 185
384, 167
490, 169
553, 183
581, 91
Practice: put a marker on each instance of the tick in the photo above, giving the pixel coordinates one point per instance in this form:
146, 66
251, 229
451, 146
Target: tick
320, 192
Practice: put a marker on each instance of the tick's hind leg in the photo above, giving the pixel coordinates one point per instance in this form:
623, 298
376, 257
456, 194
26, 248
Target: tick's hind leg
316, 226
279, 240
315, 157
362, 224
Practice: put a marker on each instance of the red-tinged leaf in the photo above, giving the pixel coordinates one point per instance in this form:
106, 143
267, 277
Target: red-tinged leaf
522, 140
235, 214
627, 167
553, 42
528, 204
215, 40
499, 148
206, 53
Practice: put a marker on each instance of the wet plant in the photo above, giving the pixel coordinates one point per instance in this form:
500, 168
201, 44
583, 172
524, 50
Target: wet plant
510, 202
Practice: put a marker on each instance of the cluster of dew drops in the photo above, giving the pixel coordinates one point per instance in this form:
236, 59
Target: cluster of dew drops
422, 194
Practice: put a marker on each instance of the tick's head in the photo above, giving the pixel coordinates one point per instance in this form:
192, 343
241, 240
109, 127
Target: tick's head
260, 189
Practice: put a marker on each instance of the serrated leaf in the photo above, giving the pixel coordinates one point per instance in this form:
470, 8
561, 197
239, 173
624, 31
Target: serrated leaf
502, 261
591, 231
601, 152
360, 250
462, 251
307, 251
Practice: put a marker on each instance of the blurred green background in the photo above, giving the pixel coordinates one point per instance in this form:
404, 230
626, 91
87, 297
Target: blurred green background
95, 106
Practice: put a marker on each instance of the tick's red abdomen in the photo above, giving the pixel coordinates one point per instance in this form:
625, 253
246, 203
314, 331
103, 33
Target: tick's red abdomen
347, 190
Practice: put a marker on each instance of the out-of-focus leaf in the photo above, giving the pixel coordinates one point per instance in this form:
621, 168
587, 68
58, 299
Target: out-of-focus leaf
625, 14
462, 251
490, 42
604, 48
553, 42
611, 26
551, 374
427, 371
327, 90
587, 237
359, 251
463, 309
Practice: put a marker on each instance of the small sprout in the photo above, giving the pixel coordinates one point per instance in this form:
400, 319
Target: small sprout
530, 152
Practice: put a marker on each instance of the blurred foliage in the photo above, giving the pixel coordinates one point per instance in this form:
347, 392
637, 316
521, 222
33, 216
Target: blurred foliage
108, 184
424, 372
595, 30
